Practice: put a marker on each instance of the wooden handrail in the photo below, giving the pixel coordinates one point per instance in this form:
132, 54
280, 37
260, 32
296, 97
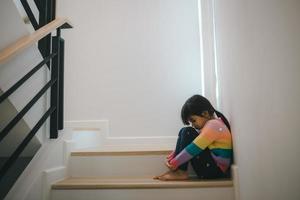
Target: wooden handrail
28, 40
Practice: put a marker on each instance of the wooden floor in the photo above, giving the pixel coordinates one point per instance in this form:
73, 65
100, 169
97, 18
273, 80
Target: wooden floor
134, 183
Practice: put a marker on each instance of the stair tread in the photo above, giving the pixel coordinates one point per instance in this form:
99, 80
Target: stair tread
135, 183
119, 153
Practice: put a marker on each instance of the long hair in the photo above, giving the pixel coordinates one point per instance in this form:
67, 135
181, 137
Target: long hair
196, 105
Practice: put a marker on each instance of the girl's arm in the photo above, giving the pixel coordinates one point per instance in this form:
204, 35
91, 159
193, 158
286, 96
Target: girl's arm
209, 134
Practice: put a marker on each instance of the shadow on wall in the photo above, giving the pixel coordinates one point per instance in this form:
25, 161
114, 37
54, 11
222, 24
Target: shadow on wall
9, 144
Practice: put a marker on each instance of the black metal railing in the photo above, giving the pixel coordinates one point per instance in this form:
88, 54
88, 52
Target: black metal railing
55, 111
46, 9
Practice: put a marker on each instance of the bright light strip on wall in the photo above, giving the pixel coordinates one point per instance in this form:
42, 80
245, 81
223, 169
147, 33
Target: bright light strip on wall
201, 47
215, 56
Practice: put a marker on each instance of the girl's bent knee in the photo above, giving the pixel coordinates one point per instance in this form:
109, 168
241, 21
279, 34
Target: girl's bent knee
187, 131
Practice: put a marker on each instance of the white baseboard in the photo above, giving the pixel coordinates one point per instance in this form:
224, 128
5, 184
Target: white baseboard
68, 147
104, 140
100, 125
51, 176
55, 174
236, 184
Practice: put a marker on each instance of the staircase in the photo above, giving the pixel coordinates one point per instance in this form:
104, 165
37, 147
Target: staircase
102, 174
93, 174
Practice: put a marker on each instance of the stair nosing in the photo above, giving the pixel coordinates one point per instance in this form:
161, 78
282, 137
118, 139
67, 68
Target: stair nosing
121, 153
137, 184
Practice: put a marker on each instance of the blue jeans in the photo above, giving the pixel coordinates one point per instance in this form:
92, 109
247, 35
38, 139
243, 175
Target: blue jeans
203, 164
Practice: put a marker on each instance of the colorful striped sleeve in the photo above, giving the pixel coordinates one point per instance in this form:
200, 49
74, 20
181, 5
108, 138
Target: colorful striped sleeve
209, 133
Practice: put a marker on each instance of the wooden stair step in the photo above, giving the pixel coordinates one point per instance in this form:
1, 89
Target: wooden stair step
135, 183
121, 153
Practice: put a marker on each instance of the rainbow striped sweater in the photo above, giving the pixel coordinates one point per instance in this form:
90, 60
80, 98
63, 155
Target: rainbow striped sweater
215, 136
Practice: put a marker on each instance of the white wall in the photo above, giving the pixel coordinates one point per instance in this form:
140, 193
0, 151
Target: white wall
133, 62
23, 14
258, 55
8, 36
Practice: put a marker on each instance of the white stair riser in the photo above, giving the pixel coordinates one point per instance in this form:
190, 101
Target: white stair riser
118, 166
146, 194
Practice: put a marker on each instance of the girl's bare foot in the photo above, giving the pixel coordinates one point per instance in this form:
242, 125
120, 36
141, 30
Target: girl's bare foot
177, 175
157, 177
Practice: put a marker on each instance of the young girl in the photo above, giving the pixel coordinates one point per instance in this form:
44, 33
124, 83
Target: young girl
207, 144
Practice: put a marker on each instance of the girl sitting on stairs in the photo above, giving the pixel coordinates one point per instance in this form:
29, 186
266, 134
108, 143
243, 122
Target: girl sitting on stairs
207, 144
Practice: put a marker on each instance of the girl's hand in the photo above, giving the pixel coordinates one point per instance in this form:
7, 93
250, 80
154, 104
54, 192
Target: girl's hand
171, 167
171, 156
